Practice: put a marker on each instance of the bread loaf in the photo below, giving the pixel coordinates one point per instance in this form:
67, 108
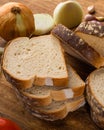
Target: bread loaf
38, 61
95, 94
77, 47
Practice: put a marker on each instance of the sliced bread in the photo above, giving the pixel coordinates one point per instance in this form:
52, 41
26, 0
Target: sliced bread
95, 93
38, 61
44, 95
56, 110
93, 34
77, 47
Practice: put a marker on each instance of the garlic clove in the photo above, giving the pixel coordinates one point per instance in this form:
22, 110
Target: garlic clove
100, 18
91, 9
89, 17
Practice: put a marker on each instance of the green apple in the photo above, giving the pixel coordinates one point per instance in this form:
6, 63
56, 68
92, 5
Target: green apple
43, 23
68, 13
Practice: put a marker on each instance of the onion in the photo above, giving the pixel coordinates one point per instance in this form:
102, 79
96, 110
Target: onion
16, 20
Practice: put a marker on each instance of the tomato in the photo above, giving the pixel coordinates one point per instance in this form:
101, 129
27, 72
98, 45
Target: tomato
6, 124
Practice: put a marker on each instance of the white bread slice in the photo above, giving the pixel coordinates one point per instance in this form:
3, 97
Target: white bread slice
93, 34
95, 90
44, 95
38, 61
77, 47
56, 110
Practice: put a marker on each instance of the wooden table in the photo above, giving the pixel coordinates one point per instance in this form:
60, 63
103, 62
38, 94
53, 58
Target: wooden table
12, 108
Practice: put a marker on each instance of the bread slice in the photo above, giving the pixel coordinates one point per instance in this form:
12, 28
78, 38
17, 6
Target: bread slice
38, 61
93, 34
77, 47
95, 90
44, 95
56, 110
82, 69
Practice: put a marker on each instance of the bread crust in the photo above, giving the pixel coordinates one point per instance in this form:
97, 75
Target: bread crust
18, 83
37, 100
63, 82
98, 119
91, 28
78, 45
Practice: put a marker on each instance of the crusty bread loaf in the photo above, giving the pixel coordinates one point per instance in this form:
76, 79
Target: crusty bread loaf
44, 95
77, 47
56, 110
95, 93
93, 34
38, 61
95, 90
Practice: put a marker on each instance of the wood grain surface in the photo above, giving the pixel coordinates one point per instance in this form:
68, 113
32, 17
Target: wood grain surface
10, 105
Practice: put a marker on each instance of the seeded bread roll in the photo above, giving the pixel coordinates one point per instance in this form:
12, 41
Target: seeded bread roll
93, 34
77, 47
39, 60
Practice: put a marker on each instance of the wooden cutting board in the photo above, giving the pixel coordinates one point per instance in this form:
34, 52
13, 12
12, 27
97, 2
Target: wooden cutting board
12, 108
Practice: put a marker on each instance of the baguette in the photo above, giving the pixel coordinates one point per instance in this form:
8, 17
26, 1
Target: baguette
77, 47
39, 60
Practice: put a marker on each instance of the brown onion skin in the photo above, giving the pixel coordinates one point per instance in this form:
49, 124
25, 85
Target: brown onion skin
8, 29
